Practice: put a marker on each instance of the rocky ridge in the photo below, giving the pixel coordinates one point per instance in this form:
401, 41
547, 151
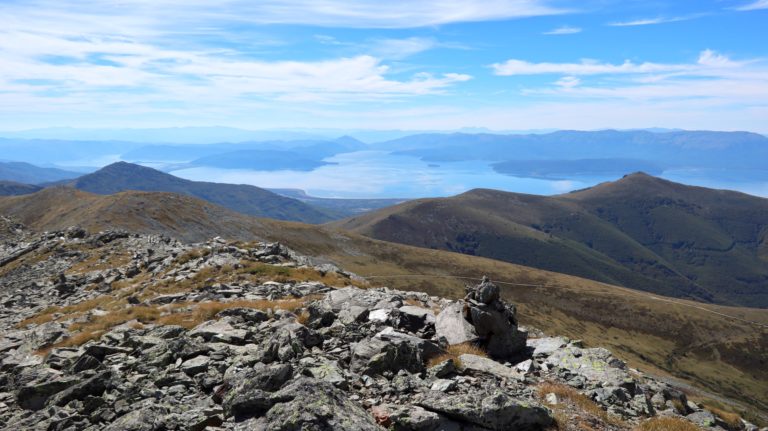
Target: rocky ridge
119, 331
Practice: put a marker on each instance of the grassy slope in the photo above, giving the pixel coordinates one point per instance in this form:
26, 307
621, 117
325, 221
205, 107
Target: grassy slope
179, 216
640, 232
245, 199
721, 354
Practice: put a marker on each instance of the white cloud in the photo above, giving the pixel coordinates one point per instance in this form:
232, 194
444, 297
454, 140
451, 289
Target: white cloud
756, 5
327, 13
652, 21
397, 49
53, 58
568, 82
707, 62
563, 30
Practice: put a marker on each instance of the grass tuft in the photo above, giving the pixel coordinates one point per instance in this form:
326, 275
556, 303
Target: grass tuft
454, 351
667, 424
582, 402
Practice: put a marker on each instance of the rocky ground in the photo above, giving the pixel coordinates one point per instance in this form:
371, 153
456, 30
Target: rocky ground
112, 331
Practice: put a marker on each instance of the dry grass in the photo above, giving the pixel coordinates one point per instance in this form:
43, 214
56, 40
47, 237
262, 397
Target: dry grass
69, 311
187, 315
302, 317
414, 302
679, 406
454, 351
732, 419
667, 424
192, 255
578, 400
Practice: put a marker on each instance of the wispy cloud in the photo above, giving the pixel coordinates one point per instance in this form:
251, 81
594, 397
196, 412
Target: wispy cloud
714, 81
707, 61
563, 30
756, 5
656, 20
101, 59
326, 13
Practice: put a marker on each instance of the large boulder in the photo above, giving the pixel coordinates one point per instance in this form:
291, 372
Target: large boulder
309, 404
485, 319
493, 410
452, 325
250, 392
390, 350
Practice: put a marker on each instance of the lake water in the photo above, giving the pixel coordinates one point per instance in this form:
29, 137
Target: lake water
375, 174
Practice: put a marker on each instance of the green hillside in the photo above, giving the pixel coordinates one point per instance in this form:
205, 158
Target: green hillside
640, 232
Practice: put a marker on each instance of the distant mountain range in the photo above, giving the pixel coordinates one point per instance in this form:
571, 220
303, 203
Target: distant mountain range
640, 232
21, 172
575, 153
735, 156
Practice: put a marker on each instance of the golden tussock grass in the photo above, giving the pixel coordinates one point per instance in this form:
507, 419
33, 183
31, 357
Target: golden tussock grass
187, 315
666, 424
732, 419
47, 315
414, 302
454, 351
302, 317
582, 402
194, 314
679, 406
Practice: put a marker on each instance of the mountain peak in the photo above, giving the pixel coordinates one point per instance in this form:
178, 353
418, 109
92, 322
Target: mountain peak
246, 199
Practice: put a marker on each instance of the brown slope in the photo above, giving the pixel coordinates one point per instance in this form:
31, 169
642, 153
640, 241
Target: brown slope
716, 238
182, 217
640, 232
699, 343
537, 231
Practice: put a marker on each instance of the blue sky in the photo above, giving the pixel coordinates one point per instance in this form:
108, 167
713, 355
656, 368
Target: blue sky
414, 65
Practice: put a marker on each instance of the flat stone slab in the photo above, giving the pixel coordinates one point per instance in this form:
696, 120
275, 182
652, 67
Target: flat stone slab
489, 366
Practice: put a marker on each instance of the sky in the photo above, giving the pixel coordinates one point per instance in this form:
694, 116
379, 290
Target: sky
369, 64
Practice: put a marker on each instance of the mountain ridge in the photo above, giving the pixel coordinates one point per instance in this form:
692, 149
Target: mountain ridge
639, 231
246, 199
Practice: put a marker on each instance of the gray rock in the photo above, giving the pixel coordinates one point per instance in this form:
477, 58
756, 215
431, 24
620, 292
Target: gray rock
144, 418
309, 404
196, 365
353, 313
498, 330
493, 410
596, 365
413, 418
94, 386
413, 319
34, 396
250, 392
543, 347
375, 356
219, 331
451, 324
479, 364
702, 418
249, 315
443, 369
329, 372
85, 362
443, 385
487, 292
